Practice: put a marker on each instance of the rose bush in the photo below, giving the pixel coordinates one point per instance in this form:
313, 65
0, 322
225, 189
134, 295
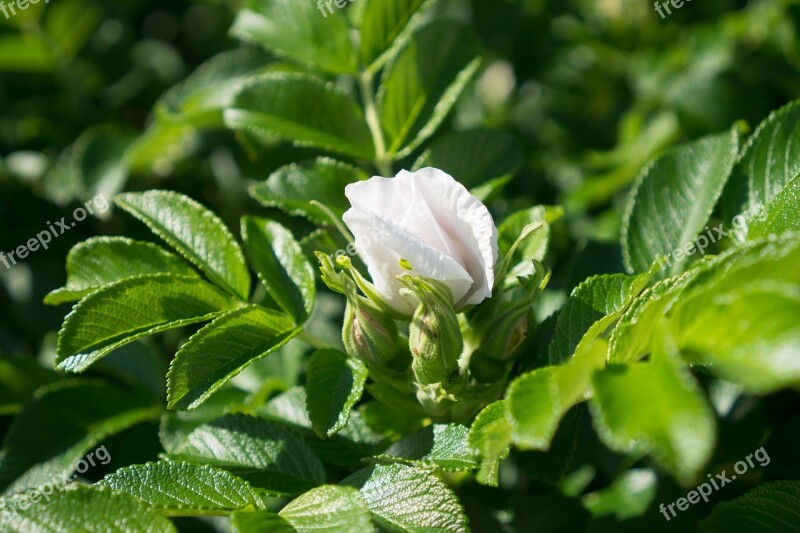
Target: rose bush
427, 220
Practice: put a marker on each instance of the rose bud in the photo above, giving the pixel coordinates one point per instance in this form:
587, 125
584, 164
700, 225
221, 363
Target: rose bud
369, 334
504, 335
434, 336
433, 223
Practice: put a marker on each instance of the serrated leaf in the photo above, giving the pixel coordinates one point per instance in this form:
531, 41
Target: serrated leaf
80, 508
310, 33
304, 110
673, 199
221, 350
200, 99
195, 232
292, 188
281, 265
184, 488
269, 455
772, 259
594, 299
440, 445
781, 215
771, 507
101, 261
335, 384
490, 436
385, 27
769, 161
474, 157
133, 308
356, 441
329, 508
62, 423
404, 498
536, 401
421, 85
750, 336
658, 404
632, 334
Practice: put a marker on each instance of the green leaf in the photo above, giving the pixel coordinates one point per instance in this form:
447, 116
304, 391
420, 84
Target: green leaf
474, 157
421, 85
200, 99
335, 384
131, 309
386, 26
356, 441
673, 199
749, 336
658, 404
769, 161
490, 436
440, 445
771, 507
63, 422
592, 300
304, 110
183, 488
536, 401
292, 188
281, 265
404, 498
195, 232
268, 455
221, 350
629, 496
329, 508
101, 261
260, 522
80, 508
781, 215
532, 248
99, 159
299, 31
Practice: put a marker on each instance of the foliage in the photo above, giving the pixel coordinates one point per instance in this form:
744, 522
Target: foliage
210, 360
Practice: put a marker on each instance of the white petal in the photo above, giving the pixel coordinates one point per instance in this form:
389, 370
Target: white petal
469, 225
382, 244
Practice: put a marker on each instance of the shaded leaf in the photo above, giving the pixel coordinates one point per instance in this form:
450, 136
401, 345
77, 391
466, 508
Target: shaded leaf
335, 384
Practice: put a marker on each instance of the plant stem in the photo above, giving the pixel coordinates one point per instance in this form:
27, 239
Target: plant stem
382, 161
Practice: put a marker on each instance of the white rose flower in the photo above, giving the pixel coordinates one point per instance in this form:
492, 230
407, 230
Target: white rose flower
431, 221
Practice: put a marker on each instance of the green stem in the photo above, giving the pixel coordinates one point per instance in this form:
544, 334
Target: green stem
382, 161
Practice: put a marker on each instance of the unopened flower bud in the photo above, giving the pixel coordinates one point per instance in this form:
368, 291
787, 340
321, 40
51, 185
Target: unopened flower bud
505, 335
434, 337
369, 333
